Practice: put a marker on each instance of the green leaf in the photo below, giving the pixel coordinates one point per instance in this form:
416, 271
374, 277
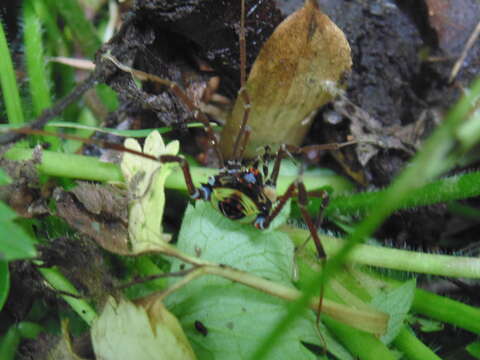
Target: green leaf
474, 349
396, 303
4, 178
9, 343
236, 316
429, 325
15, 242
4, 282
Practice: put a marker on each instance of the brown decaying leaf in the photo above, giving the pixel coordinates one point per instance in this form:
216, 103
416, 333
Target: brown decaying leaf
295, 73
100, 221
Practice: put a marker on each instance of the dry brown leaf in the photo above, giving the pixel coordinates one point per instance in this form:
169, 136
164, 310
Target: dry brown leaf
109, 230
296, 72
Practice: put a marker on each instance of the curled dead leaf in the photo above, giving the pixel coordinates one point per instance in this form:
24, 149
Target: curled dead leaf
297, 71
108, 229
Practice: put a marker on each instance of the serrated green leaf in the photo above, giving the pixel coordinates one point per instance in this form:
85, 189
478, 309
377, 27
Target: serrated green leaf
396, 303
235, 316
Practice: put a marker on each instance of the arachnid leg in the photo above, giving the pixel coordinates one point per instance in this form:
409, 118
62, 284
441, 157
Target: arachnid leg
299, 189
243, 134
192, 190
175, 89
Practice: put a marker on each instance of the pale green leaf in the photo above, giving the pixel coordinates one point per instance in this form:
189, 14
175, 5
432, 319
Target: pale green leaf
127, 331
235, 316
396, 303
146, 182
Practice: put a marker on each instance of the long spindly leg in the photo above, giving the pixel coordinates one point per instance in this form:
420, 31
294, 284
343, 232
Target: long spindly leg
192, 190
175, 89
313, 227
243, 133
298, 188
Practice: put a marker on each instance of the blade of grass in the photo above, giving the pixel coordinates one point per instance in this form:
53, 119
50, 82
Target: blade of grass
8, 81
37, 74
61, 283
82, 29
48, 17
461, 186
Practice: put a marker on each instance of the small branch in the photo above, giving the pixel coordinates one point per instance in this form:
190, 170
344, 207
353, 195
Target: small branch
371, 321
458, 64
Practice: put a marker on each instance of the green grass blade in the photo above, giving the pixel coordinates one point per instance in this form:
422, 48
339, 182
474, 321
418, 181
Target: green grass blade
82, 28
461, 186
34, 57
8, 83
35, 64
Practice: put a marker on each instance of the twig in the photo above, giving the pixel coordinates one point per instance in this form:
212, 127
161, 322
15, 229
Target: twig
466, 49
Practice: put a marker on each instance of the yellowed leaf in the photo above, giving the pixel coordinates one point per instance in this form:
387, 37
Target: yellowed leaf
146, 179
128, 331
297, 71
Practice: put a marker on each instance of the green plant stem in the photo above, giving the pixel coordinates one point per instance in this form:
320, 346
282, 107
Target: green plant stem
89, 168
396, 259
456, 187
361, 344
412, 348
70, 165
447, 310
76, 166
59, 282
8, 82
